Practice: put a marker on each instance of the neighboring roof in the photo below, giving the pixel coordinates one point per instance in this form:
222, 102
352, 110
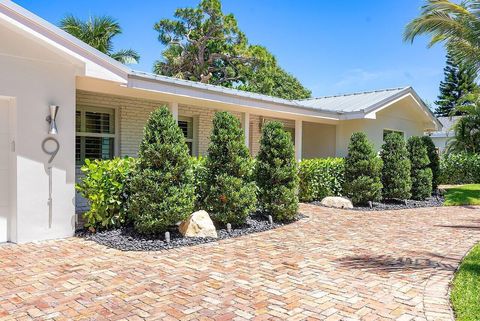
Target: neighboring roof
353, 102
358, 105
447, 129
448, 123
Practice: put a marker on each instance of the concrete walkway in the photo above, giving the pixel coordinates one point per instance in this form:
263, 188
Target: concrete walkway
332, 265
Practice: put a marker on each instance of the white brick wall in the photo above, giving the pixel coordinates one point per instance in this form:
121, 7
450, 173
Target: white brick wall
132, 114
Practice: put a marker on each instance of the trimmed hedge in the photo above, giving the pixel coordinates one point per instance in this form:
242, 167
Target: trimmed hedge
434, 160
363, 171
421, 173
321, 177
276, 173
104, 186
396, 168
230, 195
162, 190
461, 168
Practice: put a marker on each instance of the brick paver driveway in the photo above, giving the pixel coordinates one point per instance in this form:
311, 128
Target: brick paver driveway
332, 265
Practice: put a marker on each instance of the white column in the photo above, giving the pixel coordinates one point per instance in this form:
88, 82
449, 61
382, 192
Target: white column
173, 107
298, 140
246, 128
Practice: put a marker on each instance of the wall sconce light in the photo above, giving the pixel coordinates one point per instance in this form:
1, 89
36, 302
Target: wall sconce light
51, 119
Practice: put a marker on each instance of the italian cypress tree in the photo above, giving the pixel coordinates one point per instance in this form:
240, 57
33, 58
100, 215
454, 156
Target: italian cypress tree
276, 173
459, 81
420, 173
162, 190
396, 168
363, 171
230, 196
434, 160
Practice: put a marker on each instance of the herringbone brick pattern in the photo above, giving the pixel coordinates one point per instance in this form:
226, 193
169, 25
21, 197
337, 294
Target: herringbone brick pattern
332, 265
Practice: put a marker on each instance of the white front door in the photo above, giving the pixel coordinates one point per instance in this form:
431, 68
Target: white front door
5, 151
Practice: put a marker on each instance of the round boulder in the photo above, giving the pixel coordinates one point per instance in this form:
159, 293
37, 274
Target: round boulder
198, 224
337, 202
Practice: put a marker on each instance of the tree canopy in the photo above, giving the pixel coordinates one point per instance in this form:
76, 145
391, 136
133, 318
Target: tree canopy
204, 44
459, 81
98, 32
467, 128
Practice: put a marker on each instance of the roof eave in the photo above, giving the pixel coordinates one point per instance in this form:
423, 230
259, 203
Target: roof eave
230, 96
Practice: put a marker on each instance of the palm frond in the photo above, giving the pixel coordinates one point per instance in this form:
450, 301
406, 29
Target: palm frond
126, 56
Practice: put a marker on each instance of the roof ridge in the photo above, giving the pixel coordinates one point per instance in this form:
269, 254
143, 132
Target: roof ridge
357, 93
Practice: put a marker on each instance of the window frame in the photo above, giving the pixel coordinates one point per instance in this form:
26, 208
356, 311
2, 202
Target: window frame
83, 133
190, 120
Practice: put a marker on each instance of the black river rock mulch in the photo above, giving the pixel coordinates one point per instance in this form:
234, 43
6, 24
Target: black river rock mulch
434, 201
126, 239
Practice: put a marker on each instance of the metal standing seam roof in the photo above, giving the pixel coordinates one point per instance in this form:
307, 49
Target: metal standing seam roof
336, 104
354, 102
448, 123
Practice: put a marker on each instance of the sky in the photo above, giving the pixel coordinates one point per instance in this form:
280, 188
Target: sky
332, 47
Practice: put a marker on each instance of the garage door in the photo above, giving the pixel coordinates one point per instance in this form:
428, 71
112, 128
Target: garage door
5, 147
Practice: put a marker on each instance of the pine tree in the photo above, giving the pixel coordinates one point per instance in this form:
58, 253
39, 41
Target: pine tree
363, 171
420, 173
277, 173
459, 81
230, 196
434, 160
162, 191
396, 168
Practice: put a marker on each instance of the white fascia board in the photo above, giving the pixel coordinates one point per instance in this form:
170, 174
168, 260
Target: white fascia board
141, 83
96, 64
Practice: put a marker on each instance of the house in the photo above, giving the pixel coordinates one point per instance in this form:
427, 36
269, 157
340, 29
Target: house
441, 137
103, 106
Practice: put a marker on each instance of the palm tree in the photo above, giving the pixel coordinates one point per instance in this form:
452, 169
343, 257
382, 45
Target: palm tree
457, 25
98, 33
467, 128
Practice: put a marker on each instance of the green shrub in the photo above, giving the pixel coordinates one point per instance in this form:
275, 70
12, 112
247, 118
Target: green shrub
230, 193
162, 191
420, 173
461, 168
396, 168
363, 171
104, 187
434, 161
276, 173
199, 179
321, 177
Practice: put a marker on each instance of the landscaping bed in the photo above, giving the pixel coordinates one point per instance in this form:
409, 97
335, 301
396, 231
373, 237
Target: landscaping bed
126, 239
434, 201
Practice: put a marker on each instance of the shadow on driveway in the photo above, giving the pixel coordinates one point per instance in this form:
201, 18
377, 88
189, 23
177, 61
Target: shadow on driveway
387, 263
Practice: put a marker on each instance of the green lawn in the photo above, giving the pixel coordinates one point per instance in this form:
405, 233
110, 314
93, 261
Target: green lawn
465, 294
463, 195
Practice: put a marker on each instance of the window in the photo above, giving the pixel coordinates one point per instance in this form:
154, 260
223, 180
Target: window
95, 134
186, 125
389, 131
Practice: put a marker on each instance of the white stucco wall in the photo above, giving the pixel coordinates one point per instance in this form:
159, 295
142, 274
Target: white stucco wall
35, 77
318, 140
402, 116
